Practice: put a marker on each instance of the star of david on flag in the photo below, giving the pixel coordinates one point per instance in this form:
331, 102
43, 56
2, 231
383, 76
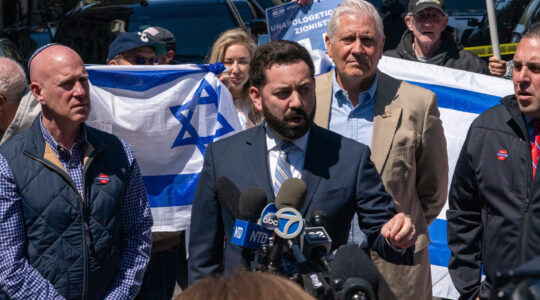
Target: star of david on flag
169, 115
205, 96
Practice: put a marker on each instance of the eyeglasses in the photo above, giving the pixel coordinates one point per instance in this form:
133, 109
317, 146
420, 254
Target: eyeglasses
141, 60
422, 18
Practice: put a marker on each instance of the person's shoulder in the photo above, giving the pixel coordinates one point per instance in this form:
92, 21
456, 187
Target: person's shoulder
405, 88
497, 114
392, 53
99, 135
334, 140
325, 76
239, 137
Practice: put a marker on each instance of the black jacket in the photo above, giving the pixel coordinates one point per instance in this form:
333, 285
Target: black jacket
451, 53
494, 205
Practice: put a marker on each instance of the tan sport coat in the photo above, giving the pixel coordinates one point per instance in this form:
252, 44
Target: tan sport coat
408, 147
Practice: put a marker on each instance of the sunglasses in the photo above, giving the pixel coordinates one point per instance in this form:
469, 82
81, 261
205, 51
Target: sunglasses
421, 17
141, 60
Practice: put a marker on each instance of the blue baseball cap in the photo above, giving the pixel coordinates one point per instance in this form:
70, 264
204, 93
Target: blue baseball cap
126, 41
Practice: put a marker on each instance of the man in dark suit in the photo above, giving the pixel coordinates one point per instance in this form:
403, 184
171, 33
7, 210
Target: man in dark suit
339, 175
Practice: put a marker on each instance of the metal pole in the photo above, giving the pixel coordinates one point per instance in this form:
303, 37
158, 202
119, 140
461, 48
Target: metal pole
493, 29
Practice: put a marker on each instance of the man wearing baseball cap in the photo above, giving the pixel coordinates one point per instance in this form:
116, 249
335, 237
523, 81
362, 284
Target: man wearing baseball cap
429, 40
167, 39
134, 48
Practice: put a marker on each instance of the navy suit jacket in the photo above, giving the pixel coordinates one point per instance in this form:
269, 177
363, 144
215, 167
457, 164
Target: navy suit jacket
340, 178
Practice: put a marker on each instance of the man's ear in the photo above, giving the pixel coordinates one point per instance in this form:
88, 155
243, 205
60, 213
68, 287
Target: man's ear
112, 62
2, 100
256, 97
170, 55
36, 90
408, 22
327, 42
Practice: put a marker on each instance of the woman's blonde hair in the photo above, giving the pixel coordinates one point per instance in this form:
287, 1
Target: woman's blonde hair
243, 285
217, 54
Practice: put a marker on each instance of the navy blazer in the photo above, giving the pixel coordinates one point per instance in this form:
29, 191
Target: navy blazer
340, 177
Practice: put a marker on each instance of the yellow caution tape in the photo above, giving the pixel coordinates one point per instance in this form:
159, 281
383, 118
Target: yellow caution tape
485, 51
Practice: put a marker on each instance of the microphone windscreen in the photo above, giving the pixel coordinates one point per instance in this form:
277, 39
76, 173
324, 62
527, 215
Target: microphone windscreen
353, 262
252, 202
228, 195
292, 194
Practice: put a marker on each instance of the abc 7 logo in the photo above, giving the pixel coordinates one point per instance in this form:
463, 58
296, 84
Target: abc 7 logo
293, 223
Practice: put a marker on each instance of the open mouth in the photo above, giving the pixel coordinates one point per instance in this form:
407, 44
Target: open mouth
523, 95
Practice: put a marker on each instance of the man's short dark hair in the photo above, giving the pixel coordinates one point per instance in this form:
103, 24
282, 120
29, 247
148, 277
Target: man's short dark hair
276, 52
532, 31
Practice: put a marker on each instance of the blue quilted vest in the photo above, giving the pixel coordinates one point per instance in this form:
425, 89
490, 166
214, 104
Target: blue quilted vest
73, 243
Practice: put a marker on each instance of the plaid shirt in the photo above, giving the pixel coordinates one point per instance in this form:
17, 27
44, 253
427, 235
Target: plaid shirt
18, 279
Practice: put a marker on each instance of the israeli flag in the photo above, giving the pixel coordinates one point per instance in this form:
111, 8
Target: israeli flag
462, 96
168, 114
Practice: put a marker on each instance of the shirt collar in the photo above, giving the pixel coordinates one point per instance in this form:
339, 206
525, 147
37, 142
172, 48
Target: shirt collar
273, 142
54, 145
343, 97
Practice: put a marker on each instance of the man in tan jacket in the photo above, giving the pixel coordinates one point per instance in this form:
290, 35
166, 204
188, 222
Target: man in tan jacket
18, 107
401, 124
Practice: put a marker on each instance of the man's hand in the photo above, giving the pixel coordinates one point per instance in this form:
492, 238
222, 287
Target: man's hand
496, 66
399, 231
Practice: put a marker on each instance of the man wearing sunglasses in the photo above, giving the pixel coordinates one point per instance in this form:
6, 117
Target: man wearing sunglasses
429, 40
135, 48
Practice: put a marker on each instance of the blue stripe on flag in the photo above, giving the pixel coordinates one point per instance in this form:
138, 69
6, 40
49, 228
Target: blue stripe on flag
170, 190
461, 100
439, 253
137, 81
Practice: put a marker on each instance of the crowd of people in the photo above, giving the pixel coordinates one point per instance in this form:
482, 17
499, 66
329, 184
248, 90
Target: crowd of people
75, 221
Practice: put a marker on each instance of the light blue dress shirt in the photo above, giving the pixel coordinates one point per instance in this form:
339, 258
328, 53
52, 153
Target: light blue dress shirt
355, 123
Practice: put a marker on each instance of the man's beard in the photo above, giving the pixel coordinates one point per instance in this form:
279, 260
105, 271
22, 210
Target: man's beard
283, 128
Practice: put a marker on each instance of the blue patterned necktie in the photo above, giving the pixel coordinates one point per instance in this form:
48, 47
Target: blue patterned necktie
283, 169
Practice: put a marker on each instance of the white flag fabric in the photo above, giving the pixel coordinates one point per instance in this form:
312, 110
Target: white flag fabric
168, 114
462, 96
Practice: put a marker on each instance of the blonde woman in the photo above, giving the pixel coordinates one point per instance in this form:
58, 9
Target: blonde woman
234, 49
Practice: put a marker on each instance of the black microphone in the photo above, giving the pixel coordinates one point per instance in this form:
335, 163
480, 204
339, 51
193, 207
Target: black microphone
318, 218
246, 233
353, 274
228, 195
292, 194
251, 203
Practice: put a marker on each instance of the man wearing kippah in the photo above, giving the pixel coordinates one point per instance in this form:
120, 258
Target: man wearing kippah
74, 216
135, 48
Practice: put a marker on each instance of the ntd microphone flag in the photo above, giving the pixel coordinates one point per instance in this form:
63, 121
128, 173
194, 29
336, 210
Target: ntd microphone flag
249, 235
169, 114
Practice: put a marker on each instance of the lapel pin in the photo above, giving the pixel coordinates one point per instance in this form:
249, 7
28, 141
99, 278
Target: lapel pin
502, 154
386, 114
103, 179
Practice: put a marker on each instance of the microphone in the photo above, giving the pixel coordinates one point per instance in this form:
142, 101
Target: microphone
290, 198
318, 218
353, 275
251, 202
228, 195
292, 194
247, 234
